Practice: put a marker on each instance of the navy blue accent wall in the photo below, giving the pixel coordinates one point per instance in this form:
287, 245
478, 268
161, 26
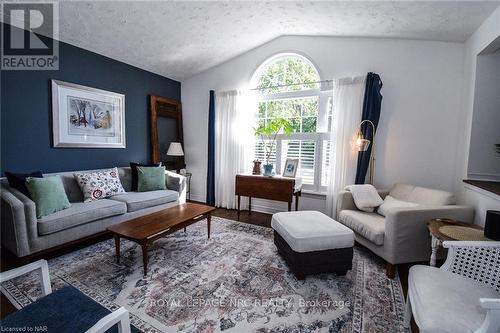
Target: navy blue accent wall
26, 128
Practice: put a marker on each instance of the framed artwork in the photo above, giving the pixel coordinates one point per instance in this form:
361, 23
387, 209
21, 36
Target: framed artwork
291, 166
84, 117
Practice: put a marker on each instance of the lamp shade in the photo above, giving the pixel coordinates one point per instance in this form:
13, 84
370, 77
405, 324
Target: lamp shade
363, 144
175, 149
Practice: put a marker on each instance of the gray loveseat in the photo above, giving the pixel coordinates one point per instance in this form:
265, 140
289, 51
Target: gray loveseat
24, 235
402, 236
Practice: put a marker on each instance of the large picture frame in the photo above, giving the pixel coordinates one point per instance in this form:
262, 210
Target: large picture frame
290, 169
85, 117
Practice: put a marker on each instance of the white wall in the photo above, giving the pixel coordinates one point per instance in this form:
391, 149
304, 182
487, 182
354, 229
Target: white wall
484, 161
480, 39
420, 108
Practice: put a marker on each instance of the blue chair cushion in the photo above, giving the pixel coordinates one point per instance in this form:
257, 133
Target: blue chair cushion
64, 310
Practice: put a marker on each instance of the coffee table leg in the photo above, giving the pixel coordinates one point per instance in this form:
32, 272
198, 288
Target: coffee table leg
144, 247
117, 247
209, 218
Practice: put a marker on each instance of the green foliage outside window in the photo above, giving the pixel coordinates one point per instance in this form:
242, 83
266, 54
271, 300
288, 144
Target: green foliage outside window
288, 74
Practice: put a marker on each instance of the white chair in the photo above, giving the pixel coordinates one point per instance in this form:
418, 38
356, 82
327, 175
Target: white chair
463, 295
119, 317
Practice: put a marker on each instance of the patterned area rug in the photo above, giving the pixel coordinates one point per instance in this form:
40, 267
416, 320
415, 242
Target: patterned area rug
233, 282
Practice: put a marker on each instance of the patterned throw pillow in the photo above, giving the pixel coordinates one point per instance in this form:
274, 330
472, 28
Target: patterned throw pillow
99, 184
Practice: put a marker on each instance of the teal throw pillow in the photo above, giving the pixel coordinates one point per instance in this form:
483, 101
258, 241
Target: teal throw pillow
48, 194
150, 178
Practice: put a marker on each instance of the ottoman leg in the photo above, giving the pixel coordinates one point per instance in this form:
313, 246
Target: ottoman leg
300, 275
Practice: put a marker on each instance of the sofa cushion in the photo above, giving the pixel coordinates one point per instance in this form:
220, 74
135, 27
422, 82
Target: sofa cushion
307, 231
392, 203
369, 225
80, 213
401, 191
64, 310
422, 195
427, 196
446, 302
140, 200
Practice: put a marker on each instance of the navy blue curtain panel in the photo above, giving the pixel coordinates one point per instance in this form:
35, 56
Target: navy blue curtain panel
371, 111
211, 151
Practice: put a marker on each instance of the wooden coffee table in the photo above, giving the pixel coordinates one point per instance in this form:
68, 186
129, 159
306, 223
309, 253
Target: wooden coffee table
146, 229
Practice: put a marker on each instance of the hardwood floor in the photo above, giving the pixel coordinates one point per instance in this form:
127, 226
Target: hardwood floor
9, 261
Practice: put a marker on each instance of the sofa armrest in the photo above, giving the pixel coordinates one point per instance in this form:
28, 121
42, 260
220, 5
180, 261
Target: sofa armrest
346, 201
406, 232
17, 211
176, 182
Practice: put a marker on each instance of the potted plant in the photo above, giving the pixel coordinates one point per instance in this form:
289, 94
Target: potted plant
268, 134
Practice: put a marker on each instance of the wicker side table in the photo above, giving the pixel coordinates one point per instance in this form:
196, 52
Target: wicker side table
447, 229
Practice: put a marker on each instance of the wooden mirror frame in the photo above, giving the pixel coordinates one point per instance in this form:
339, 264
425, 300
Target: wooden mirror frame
167, 108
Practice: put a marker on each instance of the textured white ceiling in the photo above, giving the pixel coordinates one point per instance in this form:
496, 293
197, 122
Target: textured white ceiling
180, 39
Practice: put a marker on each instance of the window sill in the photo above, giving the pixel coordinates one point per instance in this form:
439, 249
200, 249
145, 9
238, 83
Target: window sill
314, 194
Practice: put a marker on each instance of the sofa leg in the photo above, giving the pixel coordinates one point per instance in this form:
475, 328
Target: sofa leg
390, 270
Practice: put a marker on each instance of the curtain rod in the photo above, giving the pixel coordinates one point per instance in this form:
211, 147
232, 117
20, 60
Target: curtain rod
292, 84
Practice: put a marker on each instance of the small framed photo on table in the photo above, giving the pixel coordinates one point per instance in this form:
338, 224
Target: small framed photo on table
291, 166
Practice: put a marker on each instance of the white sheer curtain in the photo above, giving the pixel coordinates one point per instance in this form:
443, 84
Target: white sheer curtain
234, 119
348, 96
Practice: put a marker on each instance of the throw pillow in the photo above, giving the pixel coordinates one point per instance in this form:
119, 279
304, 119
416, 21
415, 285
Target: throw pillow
99, 184
151, 179
18, 181
366, 197
391, 203
48, 194
133, 169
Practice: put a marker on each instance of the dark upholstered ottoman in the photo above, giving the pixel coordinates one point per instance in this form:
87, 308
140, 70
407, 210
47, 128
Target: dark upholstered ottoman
312, 243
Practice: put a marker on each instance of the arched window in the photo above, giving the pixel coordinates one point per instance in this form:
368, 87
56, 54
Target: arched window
289, 87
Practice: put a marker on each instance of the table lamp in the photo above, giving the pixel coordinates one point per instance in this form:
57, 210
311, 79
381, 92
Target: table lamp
175, 149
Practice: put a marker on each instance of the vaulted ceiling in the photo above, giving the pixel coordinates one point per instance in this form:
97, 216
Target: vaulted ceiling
181, 39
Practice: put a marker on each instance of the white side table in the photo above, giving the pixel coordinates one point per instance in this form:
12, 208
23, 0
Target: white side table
467, 232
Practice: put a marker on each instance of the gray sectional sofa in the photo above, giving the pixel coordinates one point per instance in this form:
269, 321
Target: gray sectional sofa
24, 235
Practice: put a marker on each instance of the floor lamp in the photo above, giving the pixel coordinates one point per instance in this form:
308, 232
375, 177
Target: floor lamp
362, 143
